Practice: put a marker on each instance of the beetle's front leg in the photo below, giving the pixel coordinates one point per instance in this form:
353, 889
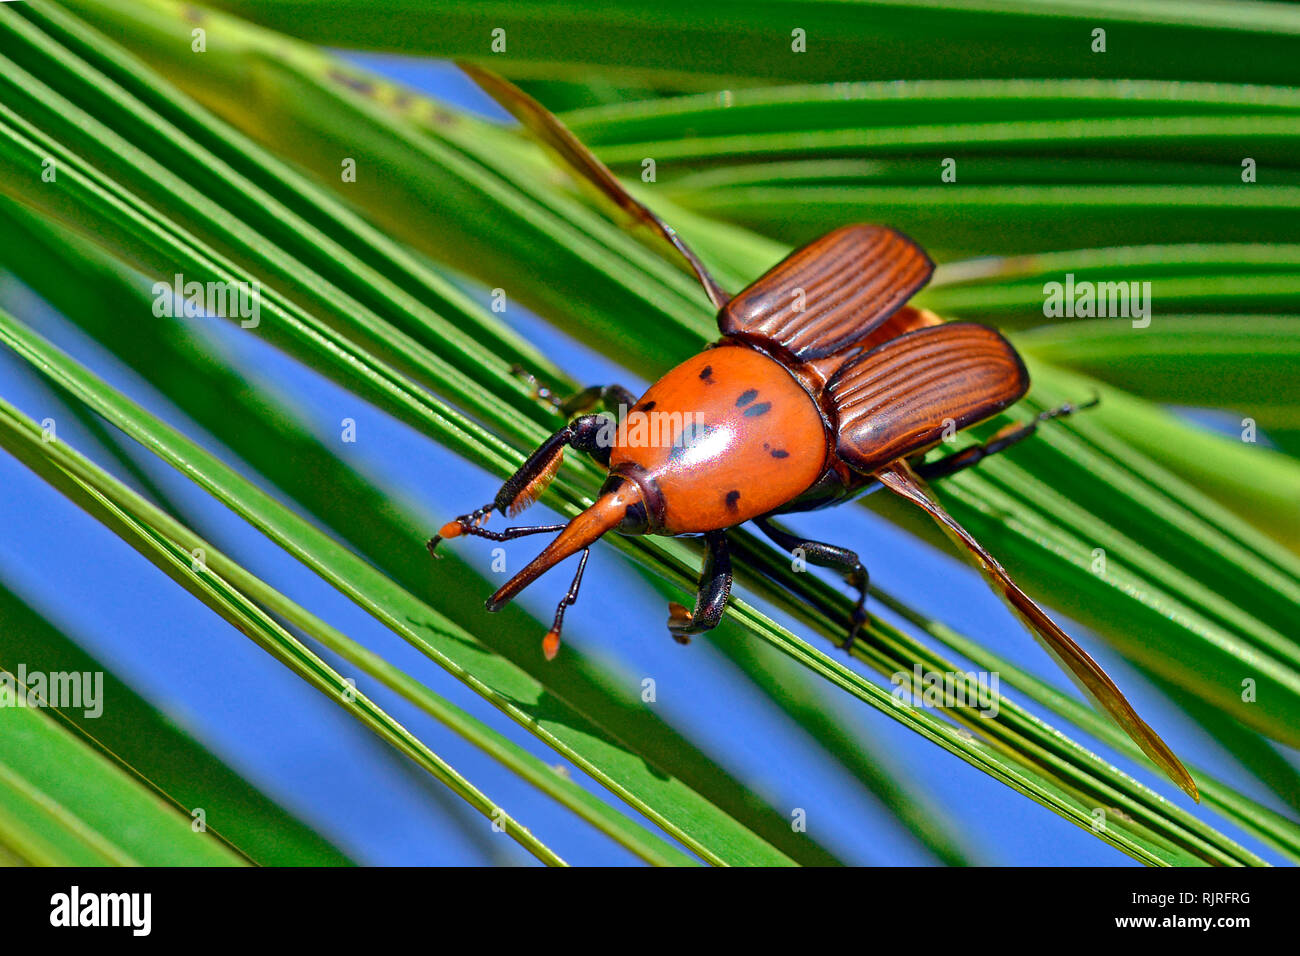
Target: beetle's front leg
590, 433
828, 556
711, 600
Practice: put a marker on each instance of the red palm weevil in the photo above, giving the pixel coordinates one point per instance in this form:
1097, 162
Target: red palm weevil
824, 385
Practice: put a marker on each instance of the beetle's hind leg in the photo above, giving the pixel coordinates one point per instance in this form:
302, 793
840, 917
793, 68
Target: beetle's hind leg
711, 599
590, 433
831, 556
611, 395
1001, 441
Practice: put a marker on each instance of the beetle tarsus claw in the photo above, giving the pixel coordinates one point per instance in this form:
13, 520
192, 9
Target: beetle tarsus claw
540, 392
1066, 409
465, 524
679, 618
856, 620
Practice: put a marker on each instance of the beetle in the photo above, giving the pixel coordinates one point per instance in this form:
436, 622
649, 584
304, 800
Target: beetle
824, 385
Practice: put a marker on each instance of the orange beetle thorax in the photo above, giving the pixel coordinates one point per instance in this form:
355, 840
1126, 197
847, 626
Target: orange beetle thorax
726, 436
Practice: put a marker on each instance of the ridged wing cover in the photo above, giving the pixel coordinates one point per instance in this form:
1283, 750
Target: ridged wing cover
894, 400
824, 297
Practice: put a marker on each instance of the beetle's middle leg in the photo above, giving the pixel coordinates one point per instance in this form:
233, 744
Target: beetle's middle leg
524, 487
583, 401
711, 600
831, 556
1001, 441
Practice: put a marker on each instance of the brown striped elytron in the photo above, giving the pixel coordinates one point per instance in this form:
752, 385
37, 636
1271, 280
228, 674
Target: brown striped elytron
825, 383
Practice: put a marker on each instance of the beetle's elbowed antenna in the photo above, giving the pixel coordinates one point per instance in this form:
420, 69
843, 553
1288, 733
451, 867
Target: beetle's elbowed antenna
551, 643
604, 514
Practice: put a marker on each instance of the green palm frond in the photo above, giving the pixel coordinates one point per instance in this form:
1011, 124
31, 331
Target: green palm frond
163, 168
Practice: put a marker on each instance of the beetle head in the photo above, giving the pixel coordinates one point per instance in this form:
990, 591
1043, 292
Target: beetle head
620, 503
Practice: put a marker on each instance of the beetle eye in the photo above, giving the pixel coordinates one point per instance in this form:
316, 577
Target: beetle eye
634, 520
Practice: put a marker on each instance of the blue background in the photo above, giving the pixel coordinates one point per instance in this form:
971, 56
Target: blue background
306, 753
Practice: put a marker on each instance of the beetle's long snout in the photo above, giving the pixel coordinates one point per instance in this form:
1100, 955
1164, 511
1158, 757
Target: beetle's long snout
605, 513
